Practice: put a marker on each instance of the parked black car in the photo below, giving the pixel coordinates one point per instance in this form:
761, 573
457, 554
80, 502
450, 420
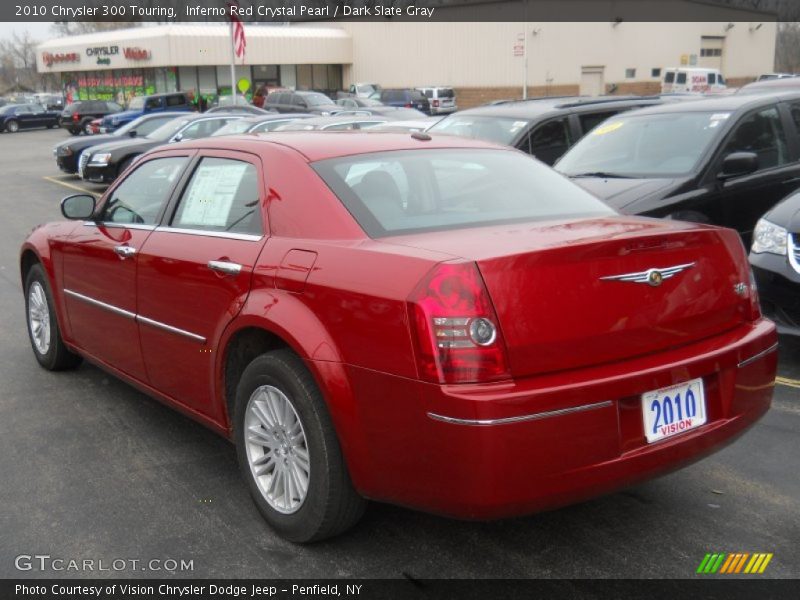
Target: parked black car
284, 101
14, 117
76, 116
775, 258
67, 153
261, 123
406, 99
103, 163
723, 160
544, 127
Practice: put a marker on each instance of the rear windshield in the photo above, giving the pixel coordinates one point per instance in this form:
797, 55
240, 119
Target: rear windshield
415, 191
317, 99
445, 93
501, 130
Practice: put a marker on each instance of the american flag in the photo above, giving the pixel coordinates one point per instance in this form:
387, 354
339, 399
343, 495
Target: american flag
237, 28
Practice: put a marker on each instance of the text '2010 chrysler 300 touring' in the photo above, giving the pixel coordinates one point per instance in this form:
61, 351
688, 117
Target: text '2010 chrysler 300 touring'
440, 323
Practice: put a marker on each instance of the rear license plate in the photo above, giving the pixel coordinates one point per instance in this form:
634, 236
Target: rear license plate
673, 410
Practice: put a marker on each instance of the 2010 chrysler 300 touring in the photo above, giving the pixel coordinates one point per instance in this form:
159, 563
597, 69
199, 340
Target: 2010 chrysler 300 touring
440, 323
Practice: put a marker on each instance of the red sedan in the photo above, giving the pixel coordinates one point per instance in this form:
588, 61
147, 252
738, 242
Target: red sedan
439, 323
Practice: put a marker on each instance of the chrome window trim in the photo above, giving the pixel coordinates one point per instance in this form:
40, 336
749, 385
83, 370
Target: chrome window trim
521, 418
170, 328
110, 225
248, 237
109, 307
755, 357
793, 250
134, 317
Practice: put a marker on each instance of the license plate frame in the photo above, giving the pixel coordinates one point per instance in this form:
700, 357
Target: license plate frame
673, 410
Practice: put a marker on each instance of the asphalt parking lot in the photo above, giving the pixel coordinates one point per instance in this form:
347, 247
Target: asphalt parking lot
93, 469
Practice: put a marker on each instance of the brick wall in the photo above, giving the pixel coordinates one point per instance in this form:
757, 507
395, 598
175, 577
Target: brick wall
469, 97
638, 88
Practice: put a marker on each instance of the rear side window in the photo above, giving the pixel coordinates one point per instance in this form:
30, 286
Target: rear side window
427, 190
222, 195
152, 103
394, 96
140, 197
795, 110
176, 100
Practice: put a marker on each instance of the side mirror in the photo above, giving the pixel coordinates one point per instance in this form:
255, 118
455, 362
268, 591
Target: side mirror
132, 133
738, 163
78, 206
177, 137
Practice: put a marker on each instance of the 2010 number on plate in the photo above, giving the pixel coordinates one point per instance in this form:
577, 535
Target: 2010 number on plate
673, 410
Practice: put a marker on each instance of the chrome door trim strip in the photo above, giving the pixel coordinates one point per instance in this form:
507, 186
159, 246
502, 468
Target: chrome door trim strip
522, 418
119, 225
170, 328
134, 317
109, 307
755, 357
247, 237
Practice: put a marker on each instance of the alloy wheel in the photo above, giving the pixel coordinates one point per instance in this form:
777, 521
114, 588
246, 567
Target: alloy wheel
39, 318
277, 451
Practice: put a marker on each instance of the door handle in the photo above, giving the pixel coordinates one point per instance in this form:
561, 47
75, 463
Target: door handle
124, 251
222, 266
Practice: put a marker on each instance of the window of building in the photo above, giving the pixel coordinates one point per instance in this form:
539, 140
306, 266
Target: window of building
207, 80
655, 72
289, 76
630, 73
187, 79
710, 51
305, 79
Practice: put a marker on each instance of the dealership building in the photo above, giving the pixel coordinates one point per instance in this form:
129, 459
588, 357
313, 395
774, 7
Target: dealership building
483, 61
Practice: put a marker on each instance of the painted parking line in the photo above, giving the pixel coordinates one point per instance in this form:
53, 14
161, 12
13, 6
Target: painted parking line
795, 383
71, 186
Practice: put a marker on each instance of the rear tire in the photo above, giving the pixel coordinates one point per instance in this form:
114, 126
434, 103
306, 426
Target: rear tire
12, 126
285, 442
86, 126
43, 330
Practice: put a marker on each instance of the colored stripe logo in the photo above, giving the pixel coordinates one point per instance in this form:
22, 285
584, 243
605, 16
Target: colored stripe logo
734, 563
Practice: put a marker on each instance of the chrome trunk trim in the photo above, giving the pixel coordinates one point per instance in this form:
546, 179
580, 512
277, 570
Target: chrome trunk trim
532, 417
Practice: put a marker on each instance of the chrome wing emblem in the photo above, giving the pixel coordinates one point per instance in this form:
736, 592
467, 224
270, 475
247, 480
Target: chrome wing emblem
652, 277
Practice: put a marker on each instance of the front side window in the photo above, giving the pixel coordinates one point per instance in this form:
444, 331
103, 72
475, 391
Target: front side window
761, 133
141, 196
153, 103
398, 192
549, 140
221, 196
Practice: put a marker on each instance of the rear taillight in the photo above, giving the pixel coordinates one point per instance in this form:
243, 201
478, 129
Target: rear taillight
76, 117
435, 103
458, 338
408, 105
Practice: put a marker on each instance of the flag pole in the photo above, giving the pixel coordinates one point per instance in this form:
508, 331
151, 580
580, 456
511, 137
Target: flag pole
233, 64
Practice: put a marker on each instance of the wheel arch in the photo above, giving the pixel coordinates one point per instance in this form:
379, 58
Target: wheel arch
296, 328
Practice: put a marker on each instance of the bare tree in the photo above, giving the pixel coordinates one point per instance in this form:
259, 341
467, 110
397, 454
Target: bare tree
787, 48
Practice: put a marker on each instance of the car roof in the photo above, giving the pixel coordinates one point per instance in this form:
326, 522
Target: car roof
773, 85
722, 103
536, 107
321, 145
274, 117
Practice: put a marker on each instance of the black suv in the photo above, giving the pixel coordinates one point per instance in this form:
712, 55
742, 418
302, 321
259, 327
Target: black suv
286, 101
76, 116
722, 160
544, 127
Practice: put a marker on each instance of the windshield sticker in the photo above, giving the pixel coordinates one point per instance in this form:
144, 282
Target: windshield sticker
517, 125
603, 129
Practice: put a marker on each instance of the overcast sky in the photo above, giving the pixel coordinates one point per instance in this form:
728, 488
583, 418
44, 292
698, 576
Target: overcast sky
40, 31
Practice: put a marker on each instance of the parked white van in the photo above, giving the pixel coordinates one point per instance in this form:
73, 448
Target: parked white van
692, 79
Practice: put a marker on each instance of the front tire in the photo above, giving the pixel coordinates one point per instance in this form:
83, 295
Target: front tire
43, 330
12, 126
288, 451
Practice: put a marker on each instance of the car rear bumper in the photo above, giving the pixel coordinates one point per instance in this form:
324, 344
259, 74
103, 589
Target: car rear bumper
443, 110
779, 291
507, 449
